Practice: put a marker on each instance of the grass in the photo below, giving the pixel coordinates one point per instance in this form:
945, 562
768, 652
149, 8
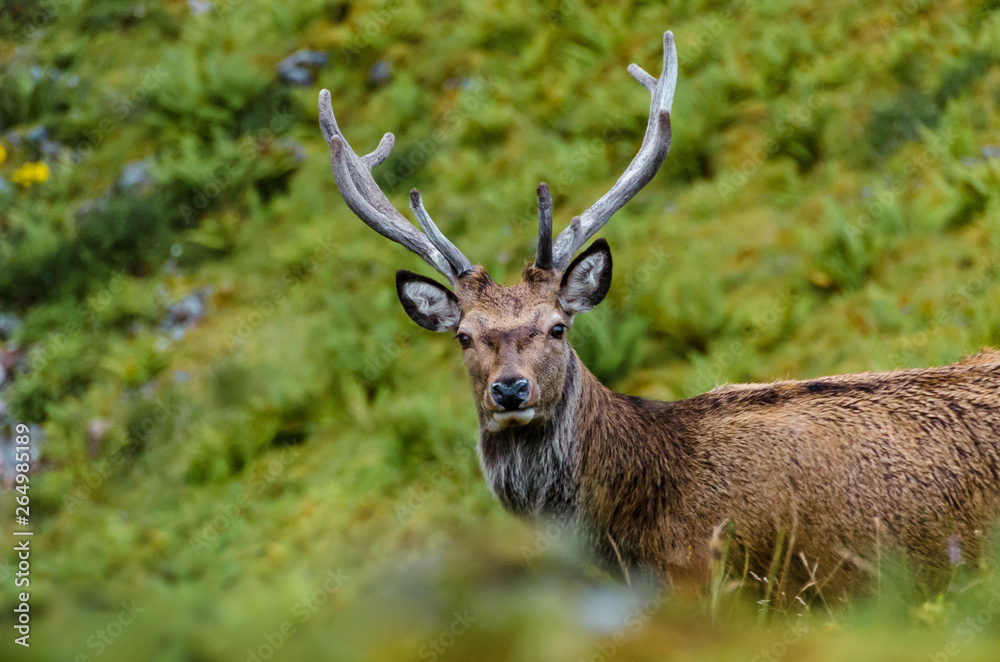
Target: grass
828, 207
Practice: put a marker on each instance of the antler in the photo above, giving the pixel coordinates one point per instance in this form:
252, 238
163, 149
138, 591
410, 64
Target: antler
654, 149
543, 256
366, 200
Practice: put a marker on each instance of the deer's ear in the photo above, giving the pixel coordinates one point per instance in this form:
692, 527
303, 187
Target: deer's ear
587, 279
428, 303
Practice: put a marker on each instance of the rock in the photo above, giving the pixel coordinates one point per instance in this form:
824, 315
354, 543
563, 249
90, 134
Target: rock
185, 313
9, 325
293, 147
8, 451
14, 139
89, 206
380, 72
51, 149
10, 358
37, 134
97, 430
136, 174
199, 7
605, 610
296, 68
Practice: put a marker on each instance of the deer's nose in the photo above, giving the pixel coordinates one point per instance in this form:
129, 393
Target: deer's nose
510, 394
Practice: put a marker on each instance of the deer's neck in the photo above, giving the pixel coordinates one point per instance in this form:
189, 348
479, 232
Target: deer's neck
581, 464
532, 470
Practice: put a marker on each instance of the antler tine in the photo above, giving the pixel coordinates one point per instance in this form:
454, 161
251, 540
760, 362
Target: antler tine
654, 149
354, 180
543, 256
459, 263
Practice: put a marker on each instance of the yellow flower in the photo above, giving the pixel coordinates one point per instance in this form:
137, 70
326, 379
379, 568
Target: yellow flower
31, 173
3, 154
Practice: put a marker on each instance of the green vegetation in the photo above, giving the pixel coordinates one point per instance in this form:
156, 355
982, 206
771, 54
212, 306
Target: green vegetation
242, 429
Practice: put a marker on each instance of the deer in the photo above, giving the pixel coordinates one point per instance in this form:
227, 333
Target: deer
827, 471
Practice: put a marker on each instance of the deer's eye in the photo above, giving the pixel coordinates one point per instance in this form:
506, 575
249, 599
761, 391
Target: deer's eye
557, 331
464, 340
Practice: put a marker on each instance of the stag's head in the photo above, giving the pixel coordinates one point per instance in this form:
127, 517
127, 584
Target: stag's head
514, 339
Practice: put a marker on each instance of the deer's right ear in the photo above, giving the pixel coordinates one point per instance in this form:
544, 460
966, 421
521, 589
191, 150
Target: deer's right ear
428, 303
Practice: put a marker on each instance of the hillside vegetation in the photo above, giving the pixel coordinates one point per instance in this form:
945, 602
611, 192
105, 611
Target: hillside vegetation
242, 437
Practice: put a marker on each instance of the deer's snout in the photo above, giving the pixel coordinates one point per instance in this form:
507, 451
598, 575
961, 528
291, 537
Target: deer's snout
511, 393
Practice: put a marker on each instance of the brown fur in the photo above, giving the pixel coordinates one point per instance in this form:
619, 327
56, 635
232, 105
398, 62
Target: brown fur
905, 459
843, 467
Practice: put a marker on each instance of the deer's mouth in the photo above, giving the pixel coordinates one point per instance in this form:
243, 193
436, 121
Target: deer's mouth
504, 419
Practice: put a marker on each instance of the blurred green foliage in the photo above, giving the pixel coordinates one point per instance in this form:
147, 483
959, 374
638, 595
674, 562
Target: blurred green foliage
831, 204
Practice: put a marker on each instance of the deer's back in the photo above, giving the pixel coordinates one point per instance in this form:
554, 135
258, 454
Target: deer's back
849, 463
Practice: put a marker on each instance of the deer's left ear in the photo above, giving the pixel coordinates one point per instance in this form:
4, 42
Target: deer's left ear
587, 279
428, 303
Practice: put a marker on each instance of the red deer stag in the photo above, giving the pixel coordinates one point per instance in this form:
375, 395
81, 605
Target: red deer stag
836, 467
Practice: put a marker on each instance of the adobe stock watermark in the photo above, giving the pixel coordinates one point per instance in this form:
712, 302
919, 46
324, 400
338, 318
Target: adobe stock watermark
246, 153
164, 408
635, 621
418, 493
373, 25
967, 291
729, 184
967, 629
572, 171
545, 537
302, 612
228, 513
434, 647
43, 15
779, 649
564, 9
712, 27
39, 357
764, 321
94, 137
375, 367
634, 280
475, 92
898, 14
105, 637
272, 302
936, 145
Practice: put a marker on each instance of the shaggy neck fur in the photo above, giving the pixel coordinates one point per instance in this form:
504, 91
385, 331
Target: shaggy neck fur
602, 460
533, 469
